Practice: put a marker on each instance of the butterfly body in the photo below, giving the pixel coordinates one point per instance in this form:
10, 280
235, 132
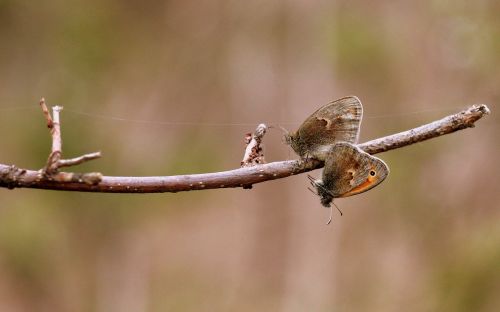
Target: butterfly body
338, 121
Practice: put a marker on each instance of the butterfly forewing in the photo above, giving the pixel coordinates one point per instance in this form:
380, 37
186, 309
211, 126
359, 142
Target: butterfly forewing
338, 121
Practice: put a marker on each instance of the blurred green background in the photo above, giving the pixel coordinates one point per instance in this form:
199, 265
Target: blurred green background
427, 239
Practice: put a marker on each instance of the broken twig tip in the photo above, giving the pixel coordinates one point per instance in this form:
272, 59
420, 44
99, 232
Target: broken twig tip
254, 153
261, 130
46, 114
57, 108
483, 108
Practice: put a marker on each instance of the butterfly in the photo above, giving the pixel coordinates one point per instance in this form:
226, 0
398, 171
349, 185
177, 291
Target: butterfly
338, 121
348, 171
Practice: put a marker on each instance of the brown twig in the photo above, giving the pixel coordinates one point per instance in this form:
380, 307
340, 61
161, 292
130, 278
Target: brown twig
78, 160
12, 177
54, 125
46, 113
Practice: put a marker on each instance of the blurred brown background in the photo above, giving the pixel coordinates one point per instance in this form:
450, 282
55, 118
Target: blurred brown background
427, 239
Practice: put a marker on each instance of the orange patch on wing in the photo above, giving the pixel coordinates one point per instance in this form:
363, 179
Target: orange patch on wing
361, 188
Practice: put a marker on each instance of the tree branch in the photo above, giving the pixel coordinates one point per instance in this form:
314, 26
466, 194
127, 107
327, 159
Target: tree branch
462, 120
13, 177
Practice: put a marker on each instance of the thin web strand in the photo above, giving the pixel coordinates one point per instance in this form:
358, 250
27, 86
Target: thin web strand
192, 123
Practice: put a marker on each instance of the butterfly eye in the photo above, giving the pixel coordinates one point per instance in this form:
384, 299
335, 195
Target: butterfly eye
372, 173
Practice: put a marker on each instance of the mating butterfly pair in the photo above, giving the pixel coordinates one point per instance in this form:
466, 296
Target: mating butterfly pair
330, 135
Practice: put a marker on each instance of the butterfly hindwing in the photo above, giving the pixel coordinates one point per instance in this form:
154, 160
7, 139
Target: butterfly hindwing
349, 171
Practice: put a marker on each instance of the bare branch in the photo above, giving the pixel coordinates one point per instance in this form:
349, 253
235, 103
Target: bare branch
54, 125
12, 177
78, 160
462, 120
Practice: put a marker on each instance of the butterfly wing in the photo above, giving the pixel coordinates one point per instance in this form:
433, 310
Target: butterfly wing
338, 121
349, 171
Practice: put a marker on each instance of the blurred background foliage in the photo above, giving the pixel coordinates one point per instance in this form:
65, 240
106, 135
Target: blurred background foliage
171, 87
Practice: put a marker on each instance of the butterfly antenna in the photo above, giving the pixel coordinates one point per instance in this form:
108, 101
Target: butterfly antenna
285, 131
331, 216
285, 139
337, 208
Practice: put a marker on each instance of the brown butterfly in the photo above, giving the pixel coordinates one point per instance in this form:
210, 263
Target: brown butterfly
348, 171
338, 121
